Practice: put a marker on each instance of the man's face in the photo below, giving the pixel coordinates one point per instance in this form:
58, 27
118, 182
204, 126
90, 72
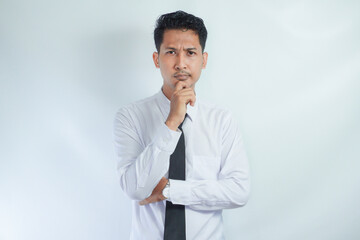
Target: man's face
180, 58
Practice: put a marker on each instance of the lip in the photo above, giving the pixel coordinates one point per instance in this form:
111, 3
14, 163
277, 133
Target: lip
182, 76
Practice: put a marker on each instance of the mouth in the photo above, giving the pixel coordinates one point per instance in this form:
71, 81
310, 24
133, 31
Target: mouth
181, 76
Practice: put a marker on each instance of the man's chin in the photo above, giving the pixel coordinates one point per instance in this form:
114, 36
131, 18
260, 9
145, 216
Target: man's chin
187, 83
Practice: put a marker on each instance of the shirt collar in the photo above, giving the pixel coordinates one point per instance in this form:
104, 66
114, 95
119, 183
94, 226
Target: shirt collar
165, 105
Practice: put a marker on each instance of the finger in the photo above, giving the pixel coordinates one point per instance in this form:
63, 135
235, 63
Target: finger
186, 91
145, 201
190, 98
180, 85
193, 100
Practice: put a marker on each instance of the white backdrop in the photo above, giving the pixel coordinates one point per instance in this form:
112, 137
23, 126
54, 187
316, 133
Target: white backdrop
288, 70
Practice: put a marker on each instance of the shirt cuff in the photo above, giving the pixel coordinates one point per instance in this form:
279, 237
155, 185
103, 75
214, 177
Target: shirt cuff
180, 192
167, 139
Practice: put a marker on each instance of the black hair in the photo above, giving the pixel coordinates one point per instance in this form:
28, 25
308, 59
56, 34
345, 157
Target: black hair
179, 20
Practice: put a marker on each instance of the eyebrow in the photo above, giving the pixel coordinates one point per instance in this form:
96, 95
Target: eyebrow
187, 49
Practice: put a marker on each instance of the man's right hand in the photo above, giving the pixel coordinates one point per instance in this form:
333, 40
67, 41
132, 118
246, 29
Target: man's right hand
180, 98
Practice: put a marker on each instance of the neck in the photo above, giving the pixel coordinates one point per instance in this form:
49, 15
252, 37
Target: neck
167, 92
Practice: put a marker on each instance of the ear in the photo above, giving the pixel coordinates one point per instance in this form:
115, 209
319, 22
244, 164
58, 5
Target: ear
205, 57
156, 59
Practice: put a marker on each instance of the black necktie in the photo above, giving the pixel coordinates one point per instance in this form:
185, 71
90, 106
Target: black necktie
175, 213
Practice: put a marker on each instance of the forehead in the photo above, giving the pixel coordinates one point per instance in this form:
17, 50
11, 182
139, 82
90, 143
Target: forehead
179, 37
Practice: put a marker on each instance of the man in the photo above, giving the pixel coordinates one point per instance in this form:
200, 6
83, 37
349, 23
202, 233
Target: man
181, 161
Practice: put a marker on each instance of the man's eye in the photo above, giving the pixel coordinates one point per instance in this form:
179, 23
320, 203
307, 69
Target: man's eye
171, 52
191, 53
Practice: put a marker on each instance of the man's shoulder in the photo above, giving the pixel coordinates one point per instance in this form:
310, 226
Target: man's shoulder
138, 105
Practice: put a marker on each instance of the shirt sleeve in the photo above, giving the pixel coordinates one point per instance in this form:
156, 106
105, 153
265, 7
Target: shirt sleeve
140, 167
232, 187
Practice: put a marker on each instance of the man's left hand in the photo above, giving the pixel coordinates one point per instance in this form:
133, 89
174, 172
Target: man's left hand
156, 194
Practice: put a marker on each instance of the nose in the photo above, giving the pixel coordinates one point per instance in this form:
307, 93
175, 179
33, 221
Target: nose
180, 62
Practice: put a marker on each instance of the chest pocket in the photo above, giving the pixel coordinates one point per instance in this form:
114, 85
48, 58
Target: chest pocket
205, 167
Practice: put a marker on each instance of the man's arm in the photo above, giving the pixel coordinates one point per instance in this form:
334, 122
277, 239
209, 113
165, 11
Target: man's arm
141, 167
232, 187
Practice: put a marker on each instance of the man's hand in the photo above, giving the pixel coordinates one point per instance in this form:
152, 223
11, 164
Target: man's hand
156, 194
180, 98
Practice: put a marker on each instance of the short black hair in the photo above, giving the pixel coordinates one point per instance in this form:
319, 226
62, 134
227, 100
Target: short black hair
179, 20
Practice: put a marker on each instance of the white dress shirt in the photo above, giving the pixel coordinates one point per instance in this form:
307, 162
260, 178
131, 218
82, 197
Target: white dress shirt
217, 170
